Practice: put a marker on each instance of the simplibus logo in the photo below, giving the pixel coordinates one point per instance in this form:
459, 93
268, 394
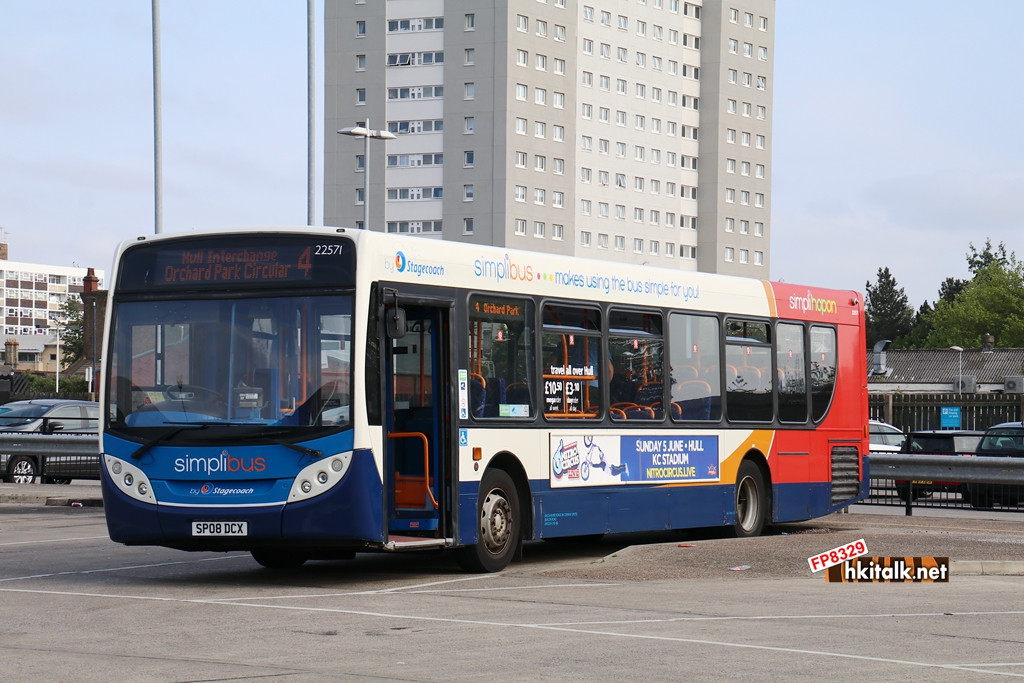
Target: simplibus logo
812, 303
505, 269
225, 462
404, 265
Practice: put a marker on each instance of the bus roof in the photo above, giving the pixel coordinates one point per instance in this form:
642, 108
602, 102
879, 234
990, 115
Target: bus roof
423, 261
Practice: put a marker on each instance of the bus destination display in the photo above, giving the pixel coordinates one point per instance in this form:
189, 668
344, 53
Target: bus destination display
221, 263
224, 264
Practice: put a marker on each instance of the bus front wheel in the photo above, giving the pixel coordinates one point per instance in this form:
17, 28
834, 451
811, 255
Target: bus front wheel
498, 525
751, 501
278, 559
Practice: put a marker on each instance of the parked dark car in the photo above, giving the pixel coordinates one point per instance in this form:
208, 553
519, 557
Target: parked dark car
1004, 440
939, 442
49, 416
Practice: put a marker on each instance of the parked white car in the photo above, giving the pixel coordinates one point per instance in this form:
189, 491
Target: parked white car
885, 438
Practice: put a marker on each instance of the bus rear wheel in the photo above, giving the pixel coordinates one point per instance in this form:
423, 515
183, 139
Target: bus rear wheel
751, 501
498, 525
278, 559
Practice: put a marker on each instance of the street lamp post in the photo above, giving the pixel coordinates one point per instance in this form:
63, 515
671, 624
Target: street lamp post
56, 374
960, 368
366, 133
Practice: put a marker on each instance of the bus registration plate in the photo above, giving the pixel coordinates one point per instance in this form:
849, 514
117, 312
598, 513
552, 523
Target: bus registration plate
220, 528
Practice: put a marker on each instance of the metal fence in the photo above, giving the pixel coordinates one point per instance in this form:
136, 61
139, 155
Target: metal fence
911, 412
58, 456
951, 481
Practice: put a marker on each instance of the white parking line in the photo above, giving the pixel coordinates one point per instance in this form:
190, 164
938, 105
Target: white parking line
976, 667
119, 569
418, 589
54, 540
778, 617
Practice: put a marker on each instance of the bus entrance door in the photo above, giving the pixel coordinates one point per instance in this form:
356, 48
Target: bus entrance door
417, 396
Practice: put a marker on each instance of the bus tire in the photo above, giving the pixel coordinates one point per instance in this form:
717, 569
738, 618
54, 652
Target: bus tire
751, 501
278, 559
498, 525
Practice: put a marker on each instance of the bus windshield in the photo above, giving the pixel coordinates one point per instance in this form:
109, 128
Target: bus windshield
281, 361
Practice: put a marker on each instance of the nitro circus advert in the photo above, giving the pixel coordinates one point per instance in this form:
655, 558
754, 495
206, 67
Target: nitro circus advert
601, 460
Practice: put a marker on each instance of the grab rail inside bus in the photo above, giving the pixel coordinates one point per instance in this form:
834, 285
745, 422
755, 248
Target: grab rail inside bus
426, 459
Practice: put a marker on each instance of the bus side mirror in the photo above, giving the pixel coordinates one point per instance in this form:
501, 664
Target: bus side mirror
395, 322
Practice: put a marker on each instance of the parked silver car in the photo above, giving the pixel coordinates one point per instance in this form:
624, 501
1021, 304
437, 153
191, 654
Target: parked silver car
48, 416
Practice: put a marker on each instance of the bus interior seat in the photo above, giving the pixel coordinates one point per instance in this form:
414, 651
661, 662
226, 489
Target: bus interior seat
477, 394
640, 413
494, 396
651, 396
518, 393
683, 373
692, 400
648, 394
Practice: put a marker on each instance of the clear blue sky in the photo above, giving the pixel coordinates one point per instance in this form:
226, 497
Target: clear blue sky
896, 130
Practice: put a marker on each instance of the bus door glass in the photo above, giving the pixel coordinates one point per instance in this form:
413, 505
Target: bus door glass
416, 371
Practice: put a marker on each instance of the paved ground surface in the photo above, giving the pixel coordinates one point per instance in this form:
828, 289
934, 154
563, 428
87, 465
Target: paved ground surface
648, 607
977, 542
974, 546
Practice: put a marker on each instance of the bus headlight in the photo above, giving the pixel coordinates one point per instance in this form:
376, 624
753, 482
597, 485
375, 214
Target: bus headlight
129, 479
319, 476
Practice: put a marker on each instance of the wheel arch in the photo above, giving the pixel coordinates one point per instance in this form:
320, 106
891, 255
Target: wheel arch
511, 465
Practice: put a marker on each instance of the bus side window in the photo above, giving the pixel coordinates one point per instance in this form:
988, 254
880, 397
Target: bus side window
636, 346
573, 373
823, 370
696, 368
790, 360
748, 349
501, 357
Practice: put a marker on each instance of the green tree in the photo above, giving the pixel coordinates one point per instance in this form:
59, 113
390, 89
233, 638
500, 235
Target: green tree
978, 261
991, 303
888, 311
919, 331
72, 335
951, 288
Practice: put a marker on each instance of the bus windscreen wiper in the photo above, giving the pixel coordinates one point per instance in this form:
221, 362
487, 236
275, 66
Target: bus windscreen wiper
264, 436
181, 426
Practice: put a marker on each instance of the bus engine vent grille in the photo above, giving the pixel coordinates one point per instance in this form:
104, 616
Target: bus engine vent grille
845, 474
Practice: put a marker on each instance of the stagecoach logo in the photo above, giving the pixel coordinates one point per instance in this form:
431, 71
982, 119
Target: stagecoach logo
212, 489
812, 303
404, 265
